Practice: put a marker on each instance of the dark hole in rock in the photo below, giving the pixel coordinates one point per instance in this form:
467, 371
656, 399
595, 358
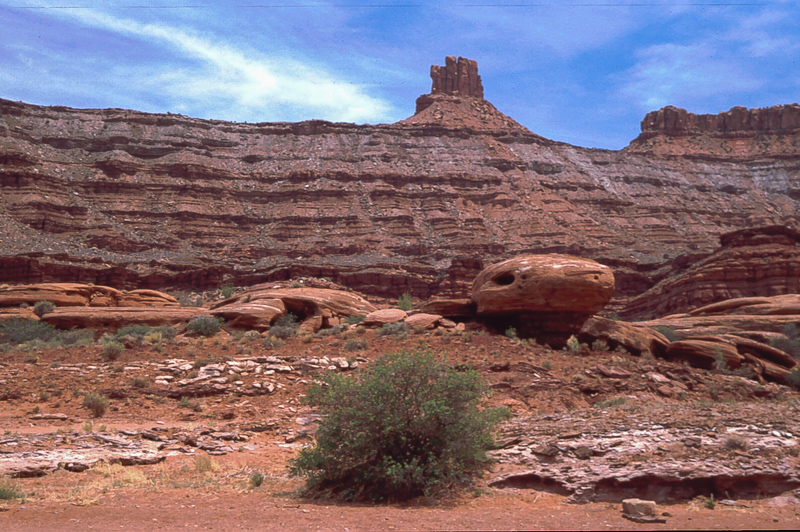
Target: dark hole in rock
534, 482
504, 279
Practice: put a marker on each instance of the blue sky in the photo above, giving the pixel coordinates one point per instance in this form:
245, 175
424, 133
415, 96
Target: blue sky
579, 72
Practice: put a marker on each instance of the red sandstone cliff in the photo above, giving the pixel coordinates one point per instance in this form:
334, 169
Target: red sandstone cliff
131, 199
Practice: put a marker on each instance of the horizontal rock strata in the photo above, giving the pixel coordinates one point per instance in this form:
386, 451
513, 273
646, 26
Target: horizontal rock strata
137, 200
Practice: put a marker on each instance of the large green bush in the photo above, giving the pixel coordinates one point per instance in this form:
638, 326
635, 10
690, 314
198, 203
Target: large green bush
407, 425
21, 330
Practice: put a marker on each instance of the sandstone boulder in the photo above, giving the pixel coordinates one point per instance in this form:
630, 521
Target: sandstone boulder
705, 352
83, 295
635, 339
258, 314
384, 316
261, 305
423, 321
543, 283
116, 317
452, 308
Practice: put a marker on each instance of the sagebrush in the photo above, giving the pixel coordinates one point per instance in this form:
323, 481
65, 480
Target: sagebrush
407, 425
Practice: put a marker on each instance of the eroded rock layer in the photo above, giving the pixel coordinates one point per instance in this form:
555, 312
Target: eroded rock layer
137, 200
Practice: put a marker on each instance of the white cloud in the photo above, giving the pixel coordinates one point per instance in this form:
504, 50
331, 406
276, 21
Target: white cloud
217, 76
671, 74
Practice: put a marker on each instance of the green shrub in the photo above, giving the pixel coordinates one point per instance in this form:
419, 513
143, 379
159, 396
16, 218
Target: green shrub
256, 479
21, 330
83, 337
205, 325
791, 343
394, 329
405, 302
407, 425
355, 344
141, 382
272, 343
333, 331
43, 307
112, 350
511, 332
141, 332
354, 320
285, 327
227, 290
794, 378
9, 490
669, 332
96, 403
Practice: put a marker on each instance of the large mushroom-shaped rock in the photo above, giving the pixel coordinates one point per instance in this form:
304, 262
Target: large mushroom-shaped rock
543, 283
545, 296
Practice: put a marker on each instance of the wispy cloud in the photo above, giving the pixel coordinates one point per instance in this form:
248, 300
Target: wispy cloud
231, 79
671, 74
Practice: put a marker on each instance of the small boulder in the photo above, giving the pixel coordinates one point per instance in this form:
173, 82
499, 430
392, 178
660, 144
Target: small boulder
423, 321
384, 316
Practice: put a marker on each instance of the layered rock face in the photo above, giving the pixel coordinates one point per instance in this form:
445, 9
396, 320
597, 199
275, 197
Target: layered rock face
137, 200
737, 133
763, 261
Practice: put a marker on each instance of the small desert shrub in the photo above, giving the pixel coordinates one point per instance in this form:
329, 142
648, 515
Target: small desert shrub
141, 382
43, 307
511, 332
227, 290
96, 403
140, 333
791, 343
333, 331
205, 325
190, 300
256, 479
608, 403
573, 344
600, 345
9, 490
83, 337
669, 332
354, 320
736, 443
205, 464
404, 302
394, 329
407, 425
708, 502
191, 404
794, 378
272, 343
721, 366
112, 350
285, 327
22, 330
355, 344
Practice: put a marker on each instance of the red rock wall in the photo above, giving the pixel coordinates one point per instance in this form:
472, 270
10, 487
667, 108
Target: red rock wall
135, 200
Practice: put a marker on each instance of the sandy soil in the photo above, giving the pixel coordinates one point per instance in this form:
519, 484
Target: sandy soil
190, 489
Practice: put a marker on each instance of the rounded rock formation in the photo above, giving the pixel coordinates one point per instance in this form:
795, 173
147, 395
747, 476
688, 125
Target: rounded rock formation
543, 283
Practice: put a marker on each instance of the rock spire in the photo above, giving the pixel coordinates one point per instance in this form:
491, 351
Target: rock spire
458, 77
